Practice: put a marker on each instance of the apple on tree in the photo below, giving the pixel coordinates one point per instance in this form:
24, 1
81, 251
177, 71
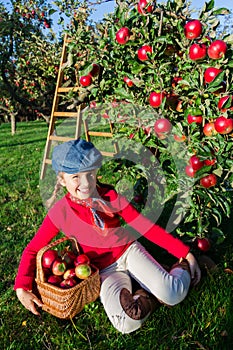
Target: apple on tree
197, 52
193, 29
128, 81
190, 172
208, 181
194, 119
156, 98
225, 103
122, 35
211, 73
162, 126
143, 51
95, 70
196, 163
223, 125
209, 129
144, 6
217, 49
85, 80
203, 244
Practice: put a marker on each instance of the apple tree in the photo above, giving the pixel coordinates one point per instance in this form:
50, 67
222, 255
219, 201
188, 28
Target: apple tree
29, 61
164, 79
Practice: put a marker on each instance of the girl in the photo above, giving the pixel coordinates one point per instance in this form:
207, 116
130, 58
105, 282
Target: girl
92, 213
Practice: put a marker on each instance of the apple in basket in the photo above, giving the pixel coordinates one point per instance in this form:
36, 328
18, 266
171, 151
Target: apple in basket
69, 257
48, 258
53, 279
81, 259
83, 271
59, 267
68, 282
69, 273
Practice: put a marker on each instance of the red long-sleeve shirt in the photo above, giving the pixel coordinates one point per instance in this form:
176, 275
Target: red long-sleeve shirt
102, 247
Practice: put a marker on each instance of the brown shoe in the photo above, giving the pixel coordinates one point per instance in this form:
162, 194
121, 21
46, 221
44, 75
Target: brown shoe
182, 264
139, 305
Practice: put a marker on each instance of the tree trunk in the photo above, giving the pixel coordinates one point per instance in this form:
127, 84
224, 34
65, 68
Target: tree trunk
13, 124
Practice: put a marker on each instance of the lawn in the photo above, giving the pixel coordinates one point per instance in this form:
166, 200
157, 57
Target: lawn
204, 320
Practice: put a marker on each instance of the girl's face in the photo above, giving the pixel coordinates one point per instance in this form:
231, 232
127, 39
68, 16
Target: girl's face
81, 185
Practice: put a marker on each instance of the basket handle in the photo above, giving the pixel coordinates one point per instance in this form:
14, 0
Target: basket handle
40, 273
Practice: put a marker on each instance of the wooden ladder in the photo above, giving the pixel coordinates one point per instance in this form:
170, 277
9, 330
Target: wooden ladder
55, 114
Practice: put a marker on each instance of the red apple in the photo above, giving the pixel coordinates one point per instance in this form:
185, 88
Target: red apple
194, 119
69, 257
53, 279
211, 73
68, 282
162, 126
138, 198
210, 162
196, 163
217, 49
81, 259
83, 271
209, 129
85, 80
193, 29
122, 35
189, 170
142, 52
58, 267
175, 81
223, 125
128, 81
197, 52
69, 273
225, 102
178, 138
48, 258
156, 99
95, 70
144, 6
203, 244
208, 181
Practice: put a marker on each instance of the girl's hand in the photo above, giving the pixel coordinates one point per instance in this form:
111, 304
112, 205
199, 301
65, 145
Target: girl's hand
28, 299
194, 268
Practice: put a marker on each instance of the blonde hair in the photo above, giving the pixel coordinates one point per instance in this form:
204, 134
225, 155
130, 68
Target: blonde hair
57, 188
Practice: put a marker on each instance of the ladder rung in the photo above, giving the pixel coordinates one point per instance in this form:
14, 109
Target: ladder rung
108, 154
67, 89
99, 133
60, 138
65, 114
48, 161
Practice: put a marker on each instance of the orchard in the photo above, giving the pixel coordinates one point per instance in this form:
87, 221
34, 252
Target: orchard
165, 81
163, 77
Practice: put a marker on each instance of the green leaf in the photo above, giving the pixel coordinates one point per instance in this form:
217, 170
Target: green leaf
122, 93
209, 5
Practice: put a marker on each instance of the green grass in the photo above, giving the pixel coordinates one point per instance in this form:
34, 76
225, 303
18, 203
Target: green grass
203, 321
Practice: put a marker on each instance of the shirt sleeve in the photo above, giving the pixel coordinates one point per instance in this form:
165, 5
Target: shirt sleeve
27, 267
148, 229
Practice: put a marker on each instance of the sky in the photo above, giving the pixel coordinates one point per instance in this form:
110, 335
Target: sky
197, 4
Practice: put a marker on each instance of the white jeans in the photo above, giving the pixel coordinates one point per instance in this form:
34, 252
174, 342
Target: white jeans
170, 288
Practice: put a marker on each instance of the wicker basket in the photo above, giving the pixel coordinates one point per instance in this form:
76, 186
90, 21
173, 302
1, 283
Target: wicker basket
66, 303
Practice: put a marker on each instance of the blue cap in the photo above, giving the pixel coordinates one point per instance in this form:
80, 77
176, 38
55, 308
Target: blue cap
76, 156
